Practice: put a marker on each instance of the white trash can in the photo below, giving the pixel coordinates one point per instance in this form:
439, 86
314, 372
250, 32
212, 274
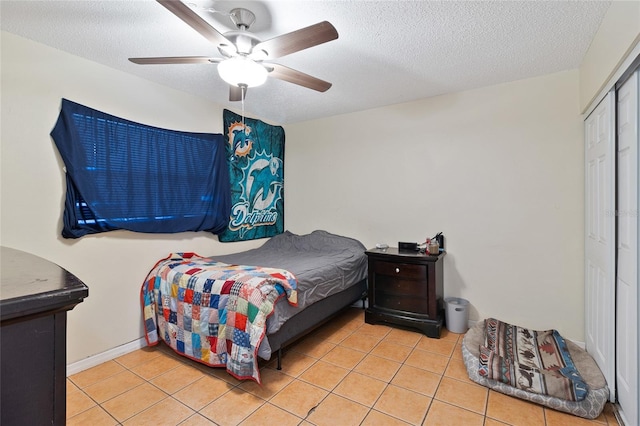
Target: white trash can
456, 314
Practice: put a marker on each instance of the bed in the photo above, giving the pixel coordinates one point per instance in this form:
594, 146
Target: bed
329, 274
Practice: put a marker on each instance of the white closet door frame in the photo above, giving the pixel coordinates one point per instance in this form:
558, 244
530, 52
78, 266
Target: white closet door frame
628, 117
600, 238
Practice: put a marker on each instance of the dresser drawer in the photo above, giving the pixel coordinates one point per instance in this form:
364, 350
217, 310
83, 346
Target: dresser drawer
400, 270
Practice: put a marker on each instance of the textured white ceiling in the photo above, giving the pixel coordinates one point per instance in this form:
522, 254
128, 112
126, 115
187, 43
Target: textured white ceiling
387, 51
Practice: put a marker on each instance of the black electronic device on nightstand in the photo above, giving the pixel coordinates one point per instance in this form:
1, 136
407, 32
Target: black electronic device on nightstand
408, 246
405, 289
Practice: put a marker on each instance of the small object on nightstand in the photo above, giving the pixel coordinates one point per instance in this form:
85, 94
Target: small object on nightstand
408, 246
434, 247
382, 246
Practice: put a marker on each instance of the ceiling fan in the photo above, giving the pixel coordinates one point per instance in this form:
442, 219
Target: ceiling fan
244, 55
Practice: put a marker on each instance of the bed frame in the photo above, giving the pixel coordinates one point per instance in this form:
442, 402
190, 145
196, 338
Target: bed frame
314, 316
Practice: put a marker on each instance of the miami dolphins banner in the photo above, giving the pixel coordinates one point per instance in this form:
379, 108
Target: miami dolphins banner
255, 151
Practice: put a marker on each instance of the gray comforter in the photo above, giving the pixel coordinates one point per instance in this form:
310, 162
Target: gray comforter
323, 263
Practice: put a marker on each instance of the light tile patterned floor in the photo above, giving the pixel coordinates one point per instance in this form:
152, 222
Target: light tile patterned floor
345, 373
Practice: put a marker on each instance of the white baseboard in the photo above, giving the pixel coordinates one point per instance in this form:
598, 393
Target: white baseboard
97, 359
582, 345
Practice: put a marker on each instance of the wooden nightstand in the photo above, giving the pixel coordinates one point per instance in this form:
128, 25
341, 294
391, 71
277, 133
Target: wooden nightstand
405, 289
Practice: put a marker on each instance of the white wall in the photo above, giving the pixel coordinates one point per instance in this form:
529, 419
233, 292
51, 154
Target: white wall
113, 265
619, 32
499, 170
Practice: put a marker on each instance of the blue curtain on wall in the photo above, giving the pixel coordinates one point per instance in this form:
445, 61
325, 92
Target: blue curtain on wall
125, 175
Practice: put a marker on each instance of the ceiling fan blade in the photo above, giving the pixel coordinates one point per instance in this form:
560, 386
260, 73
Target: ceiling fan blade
235, 93
296, 77
194, 20
175, 60
301, 39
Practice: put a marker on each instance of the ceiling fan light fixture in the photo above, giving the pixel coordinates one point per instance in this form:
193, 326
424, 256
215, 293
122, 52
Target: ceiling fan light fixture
243, 52
242, 71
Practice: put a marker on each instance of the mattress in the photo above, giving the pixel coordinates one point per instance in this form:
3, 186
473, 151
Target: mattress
323, 263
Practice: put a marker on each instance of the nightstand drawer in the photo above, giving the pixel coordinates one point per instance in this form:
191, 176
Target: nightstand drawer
404, 304
401, 270
392, 286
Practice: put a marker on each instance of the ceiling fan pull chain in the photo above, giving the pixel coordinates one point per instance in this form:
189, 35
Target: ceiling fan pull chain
243, 88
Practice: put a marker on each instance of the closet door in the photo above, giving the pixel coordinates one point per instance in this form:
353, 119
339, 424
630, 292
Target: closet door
600, 238
627, 242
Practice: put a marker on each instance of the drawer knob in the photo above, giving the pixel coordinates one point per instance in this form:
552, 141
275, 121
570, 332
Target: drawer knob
397, 270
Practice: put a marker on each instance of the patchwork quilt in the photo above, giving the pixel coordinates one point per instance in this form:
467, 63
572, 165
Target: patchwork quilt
213, 312
535, 361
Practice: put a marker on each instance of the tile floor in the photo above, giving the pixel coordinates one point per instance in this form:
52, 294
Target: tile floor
345, 373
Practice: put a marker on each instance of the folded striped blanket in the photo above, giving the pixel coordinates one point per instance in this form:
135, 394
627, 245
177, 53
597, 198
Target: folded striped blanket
535, 361
213, 312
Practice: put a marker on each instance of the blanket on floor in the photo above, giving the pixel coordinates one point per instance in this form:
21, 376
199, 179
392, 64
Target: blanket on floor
535, 361
213, 312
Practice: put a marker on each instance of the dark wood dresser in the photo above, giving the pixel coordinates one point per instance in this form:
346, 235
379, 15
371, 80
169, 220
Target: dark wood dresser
34, 299
405, 289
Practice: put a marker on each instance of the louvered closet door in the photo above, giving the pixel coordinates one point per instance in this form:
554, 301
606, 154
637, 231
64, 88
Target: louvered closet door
600, 238
627, 242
